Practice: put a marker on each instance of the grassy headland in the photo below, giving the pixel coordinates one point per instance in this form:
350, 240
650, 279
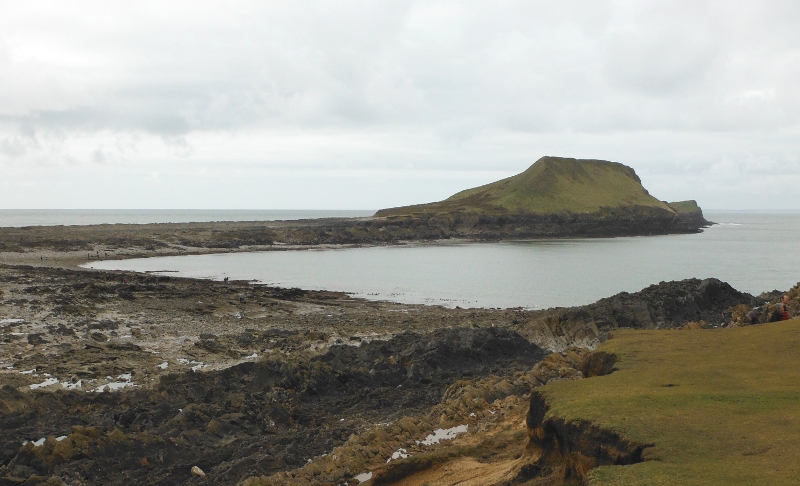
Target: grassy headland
559, 197
711, 406
551, 185
554, 185
555, 197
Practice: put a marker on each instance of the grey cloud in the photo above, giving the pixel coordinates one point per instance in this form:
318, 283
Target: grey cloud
13, 146
433, 85
92, 118
661, 63
527, 66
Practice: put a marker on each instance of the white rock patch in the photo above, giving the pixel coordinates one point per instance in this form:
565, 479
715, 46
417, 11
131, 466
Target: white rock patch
443, 434
364, 477
72, 386
398, 454
47, 382
116, 385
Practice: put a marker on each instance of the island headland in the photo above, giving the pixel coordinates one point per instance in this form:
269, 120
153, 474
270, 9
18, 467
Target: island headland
556, 196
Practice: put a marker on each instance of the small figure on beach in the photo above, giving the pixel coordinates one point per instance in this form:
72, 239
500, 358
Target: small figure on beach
241, 298
226, 280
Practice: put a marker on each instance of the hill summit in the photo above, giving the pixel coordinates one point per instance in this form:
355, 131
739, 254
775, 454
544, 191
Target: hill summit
583, 194
550, 185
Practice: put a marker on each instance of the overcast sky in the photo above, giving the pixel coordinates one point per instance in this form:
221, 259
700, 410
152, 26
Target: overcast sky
365, 104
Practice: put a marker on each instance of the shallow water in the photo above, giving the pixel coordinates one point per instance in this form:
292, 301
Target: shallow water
754, 252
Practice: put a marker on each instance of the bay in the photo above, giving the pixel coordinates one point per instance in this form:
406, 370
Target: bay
754, 252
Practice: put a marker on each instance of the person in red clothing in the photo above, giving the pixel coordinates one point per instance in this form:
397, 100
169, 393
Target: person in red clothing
780, 312
785, 308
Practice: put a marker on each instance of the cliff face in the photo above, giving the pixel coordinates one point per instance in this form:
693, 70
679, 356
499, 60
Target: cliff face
555, 197
689, 212
568, 450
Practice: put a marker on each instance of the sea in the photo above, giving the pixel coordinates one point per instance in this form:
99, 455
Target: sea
753, 251
72, 217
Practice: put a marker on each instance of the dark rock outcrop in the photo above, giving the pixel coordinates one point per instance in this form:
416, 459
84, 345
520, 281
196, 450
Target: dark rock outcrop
250, 419
669, 305
666, 305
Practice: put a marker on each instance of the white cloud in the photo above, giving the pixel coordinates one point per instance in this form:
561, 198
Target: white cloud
688, 93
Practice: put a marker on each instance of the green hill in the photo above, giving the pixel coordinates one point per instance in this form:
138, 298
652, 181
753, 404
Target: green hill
551, 185
555, 197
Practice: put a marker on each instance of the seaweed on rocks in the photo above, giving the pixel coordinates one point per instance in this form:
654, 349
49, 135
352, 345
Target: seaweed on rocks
252, 418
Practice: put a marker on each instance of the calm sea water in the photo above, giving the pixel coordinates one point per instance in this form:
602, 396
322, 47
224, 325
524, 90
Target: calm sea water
68, 217
754, 252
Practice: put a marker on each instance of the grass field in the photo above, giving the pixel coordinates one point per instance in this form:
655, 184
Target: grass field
719, 406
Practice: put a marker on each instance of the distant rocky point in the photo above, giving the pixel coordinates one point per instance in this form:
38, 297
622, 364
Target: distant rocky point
556, 196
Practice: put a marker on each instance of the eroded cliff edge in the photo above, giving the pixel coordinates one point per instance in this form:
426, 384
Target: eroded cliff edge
566, 450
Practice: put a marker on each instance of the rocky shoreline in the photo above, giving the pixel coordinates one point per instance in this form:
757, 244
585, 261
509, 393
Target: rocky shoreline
70, 246
142, 377
123, 378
